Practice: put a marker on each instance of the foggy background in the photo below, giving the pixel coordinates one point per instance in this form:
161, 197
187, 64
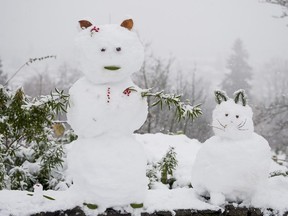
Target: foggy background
188, 47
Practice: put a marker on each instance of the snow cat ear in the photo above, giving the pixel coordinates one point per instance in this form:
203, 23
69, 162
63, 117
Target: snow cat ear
220, 96
84, 24
127, 24
240, 96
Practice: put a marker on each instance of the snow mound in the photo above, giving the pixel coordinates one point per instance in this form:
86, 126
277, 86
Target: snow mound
110, 173
236, 161
169, 200
272, 194
156, 145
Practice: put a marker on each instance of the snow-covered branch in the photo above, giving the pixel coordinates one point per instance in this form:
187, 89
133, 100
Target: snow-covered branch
183, 110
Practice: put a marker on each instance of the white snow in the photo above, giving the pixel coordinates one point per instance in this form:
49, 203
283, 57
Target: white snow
226, 124
274, 194
18, 203
91, 114
234, 162
108, 171
100, 50
156, 145
170, 200
98, 102
38, 193
106, 163
231, 167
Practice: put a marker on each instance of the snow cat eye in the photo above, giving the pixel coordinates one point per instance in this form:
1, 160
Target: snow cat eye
118, 49
237, 116
103, 50
226, 114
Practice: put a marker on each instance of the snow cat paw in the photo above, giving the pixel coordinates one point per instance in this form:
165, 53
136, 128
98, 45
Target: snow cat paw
217, 199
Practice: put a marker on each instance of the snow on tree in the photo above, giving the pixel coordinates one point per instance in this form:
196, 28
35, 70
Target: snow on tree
29, 152
240, 73
3, 77
156, 74
271, 116
283, 4
183, 110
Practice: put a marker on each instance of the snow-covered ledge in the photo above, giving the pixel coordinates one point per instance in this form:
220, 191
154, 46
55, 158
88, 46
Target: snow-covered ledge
179, 202
164, 202
160, 200
230, 210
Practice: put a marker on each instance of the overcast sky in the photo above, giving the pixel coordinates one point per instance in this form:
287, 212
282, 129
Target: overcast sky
190, 30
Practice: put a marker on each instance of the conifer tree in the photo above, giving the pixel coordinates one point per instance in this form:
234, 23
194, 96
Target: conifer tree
240, 73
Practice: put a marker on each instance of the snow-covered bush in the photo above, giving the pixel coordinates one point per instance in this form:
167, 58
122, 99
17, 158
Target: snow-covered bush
29, 150
163, 169
167, 165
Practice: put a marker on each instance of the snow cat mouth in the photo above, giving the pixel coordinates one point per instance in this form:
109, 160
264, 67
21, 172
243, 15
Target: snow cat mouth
112, 68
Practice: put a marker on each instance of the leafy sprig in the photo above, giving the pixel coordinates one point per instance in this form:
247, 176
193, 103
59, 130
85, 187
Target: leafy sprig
183, 109
58, 101
27, 63
278, 173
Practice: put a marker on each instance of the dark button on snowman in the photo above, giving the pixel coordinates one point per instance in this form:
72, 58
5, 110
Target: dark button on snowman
106, 162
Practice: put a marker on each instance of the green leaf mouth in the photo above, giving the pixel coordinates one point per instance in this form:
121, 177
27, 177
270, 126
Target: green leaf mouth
112, 67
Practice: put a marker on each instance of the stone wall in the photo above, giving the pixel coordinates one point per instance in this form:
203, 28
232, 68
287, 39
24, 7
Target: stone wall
230, 210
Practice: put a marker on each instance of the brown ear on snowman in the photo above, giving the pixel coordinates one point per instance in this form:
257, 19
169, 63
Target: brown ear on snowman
84, 24
127, 24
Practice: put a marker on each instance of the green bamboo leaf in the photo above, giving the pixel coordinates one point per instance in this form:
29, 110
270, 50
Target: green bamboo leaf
136, 205
48, 197
91, 206
155, 103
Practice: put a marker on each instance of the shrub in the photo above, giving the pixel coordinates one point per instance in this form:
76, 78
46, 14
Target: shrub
29, 150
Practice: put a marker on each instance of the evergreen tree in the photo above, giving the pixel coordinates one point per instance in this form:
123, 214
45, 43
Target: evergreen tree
240, 72
3, 77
